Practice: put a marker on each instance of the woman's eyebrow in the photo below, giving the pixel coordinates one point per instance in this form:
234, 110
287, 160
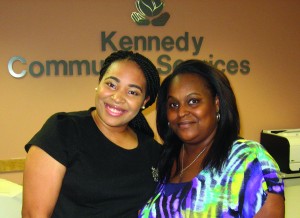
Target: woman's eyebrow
130, 85
113, 77
136, 86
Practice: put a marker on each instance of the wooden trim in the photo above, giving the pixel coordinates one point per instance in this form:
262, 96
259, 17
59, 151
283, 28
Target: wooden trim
12, 165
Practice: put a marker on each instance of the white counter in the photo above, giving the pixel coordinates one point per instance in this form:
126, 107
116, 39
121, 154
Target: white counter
292, 197
10, 199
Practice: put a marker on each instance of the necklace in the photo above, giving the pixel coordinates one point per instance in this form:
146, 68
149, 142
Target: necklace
182, 156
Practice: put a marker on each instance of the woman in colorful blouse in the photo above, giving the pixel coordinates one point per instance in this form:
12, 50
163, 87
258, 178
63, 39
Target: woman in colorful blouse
206, 169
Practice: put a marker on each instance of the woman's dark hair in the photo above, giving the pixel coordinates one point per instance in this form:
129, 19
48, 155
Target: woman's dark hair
152, 83
228, 126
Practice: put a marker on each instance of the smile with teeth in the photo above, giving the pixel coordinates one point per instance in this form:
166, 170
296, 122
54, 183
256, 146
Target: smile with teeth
114, 110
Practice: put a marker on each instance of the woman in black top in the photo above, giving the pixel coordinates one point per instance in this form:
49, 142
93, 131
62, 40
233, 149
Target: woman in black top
100, 162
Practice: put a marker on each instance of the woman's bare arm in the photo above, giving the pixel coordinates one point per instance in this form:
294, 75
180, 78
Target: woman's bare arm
42, 181
273, 207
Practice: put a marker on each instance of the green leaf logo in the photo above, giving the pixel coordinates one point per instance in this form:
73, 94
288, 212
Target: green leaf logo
149, 12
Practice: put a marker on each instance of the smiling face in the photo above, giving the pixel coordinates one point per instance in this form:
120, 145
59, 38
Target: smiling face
191, 109
120, 94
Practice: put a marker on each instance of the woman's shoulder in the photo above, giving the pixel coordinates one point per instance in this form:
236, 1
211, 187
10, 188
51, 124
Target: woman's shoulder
250, 149
72, 114
245, 145
66, 117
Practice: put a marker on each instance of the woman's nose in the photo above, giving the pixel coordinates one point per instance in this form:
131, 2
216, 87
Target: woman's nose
118, 97
183, 111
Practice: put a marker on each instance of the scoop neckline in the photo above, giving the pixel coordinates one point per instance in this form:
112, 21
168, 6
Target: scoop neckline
108, 140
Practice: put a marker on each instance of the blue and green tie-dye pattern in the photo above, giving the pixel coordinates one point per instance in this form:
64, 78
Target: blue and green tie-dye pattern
238, 191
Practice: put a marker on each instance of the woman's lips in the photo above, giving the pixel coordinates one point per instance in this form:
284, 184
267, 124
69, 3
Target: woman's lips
185, 124
114, 110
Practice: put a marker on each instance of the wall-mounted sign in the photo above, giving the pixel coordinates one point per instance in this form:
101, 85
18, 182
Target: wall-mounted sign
149, 12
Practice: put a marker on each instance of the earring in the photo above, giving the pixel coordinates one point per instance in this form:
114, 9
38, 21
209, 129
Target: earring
143, 107
96, 89
168, 123
218, 116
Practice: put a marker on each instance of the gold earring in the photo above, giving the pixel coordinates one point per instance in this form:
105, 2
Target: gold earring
143, 107
96, 89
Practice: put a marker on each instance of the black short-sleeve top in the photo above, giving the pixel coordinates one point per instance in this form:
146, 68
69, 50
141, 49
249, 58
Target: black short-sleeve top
102, 179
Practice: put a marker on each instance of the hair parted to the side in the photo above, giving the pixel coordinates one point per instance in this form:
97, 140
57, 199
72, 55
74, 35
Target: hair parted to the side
152, 83
228, 127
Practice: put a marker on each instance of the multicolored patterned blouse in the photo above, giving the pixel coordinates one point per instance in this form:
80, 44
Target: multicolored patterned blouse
239, 190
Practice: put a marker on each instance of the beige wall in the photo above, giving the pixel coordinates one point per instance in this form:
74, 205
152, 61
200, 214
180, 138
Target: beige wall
264, 32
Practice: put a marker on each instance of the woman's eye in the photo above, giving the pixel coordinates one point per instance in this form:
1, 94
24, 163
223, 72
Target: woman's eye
193, 101
173, 105
111, 85
133, 93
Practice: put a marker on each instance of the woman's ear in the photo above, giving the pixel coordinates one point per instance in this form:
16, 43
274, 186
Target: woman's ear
217, 103
145, 101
